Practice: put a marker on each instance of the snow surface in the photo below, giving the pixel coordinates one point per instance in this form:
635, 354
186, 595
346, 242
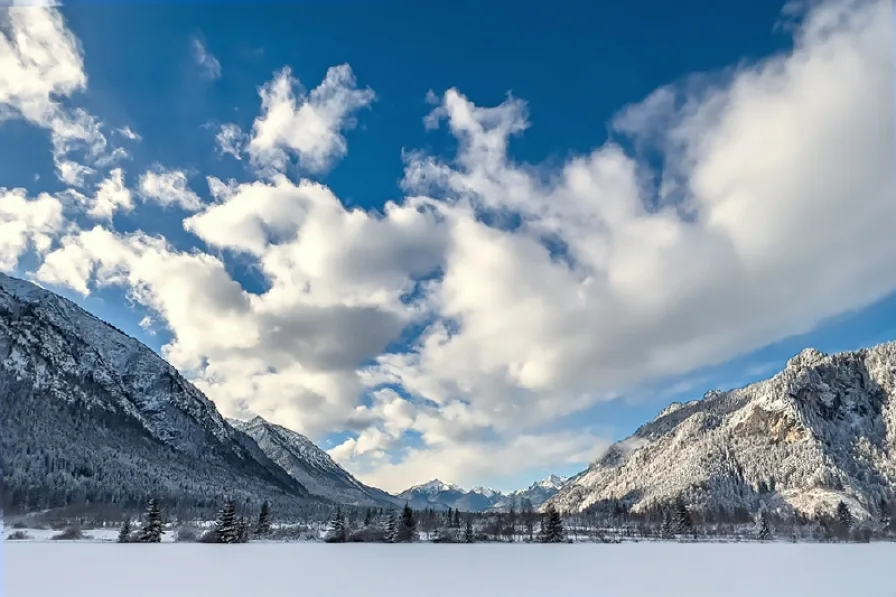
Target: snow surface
518, 570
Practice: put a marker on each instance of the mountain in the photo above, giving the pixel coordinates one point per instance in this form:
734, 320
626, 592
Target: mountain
536, 494
311, 466
821, 431
441, 496
91, 415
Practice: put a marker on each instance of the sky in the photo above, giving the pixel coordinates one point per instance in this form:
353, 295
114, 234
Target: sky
478, 242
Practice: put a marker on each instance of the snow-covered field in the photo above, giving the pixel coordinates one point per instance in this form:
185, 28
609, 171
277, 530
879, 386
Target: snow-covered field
75, 569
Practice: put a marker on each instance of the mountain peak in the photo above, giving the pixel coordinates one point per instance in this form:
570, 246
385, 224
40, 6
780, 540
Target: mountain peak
552, 482
806, 358
486, 491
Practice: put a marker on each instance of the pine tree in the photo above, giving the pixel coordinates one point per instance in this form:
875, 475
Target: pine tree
391, 527
844, 519
407, 526
242, 530
226, 525
264, 520
683, 522
667, 529
337, 527
468, 532
124, 534
763, 532
152, 528
884, 514
552, 526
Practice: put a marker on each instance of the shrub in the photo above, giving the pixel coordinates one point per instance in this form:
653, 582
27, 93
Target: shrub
69, 534
209, 536
186, 534
18, 536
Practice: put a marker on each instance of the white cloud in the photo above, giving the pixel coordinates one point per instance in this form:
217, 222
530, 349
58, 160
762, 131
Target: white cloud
111, 196
306, 126
128, 133
169, 187
41, 62
231, 140
211, 68
775, 212
26, 224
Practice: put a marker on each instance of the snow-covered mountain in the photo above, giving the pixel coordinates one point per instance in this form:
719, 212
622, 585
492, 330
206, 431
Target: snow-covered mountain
90, 414
441, 496
820, 431
534, 496
311, 466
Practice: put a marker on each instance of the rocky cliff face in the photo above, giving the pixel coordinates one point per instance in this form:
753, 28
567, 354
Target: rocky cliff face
821, 431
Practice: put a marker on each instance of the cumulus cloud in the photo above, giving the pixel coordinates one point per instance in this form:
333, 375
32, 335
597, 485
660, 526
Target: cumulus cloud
306, 126
169, 187
40, 63
26, 224
528, 294
111, 196
208, 64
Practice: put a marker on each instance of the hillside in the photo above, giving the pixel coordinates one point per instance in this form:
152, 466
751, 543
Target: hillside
821, 431
90, 415
311, 466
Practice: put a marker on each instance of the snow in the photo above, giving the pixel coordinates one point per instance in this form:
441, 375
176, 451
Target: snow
316, 569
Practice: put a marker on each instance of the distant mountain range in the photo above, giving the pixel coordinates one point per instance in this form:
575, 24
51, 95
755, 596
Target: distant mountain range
442, 496
91, 415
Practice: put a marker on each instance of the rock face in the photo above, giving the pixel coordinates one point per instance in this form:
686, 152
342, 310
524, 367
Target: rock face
91, 415
821, 431
311, 466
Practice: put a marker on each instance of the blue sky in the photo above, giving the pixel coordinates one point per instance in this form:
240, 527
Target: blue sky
520, 94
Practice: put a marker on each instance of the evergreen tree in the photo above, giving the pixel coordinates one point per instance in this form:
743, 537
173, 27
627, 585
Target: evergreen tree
763, 532
468, 532
683, 522
510, 529
457, 518
124, 534
337, 532
264, 520
552, 526
844, 519
226, 525
407, 526
152, 527
667, 529
391, 527
242, 530
368, 517
884, 514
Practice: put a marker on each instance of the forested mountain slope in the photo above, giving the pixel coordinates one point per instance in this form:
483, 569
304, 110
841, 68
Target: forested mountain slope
821, 431
311, 465
90, 415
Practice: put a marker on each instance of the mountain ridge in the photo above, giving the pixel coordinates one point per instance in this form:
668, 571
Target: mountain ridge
95, 404
821, 431
311, 465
